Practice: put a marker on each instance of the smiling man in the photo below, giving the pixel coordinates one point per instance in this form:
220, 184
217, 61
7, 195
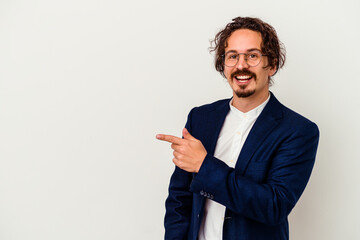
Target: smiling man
243, 162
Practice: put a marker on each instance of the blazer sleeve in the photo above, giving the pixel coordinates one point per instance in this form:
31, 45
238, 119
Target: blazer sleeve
178, 204
271, 201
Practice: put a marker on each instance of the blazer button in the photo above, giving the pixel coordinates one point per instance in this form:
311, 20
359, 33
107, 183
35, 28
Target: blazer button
201, 192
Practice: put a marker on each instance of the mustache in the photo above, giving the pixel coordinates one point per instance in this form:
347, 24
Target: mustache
243, 72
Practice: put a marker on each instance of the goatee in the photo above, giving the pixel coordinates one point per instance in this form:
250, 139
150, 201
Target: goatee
243, 93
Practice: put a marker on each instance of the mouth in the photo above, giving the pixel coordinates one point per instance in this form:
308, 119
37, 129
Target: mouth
243, 78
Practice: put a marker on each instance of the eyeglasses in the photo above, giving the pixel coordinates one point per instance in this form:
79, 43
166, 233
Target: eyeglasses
252, 58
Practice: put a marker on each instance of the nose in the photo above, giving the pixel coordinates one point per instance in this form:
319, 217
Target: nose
241, 64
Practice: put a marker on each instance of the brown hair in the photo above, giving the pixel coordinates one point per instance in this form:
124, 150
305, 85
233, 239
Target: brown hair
270, 45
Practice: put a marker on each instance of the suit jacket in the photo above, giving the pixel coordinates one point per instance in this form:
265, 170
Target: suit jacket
271, 173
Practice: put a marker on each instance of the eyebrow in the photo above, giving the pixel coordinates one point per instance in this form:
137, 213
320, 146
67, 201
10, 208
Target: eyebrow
249, 50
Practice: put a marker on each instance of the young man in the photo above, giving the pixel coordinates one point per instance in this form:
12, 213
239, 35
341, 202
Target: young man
243, 162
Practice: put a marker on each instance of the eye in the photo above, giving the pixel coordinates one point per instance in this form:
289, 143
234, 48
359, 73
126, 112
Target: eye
253, 56
231, 56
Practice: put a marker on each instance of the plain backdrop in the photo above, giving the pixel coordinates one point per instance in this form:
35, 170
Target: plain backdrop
85, 85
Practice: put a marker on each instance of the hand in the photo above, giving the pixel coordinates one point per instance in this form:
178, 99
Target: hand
189, 153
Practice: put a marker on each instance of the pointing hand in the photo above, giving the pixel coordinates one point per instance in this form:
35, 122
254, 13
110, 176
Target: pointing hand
189, 153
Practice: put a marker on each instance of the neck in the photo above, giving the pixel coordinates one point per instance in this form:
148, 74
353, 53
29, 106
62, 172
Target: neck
246, 104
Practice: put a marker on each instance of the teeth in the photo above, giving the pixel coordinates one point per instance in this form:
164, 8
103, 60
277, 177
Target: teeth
243, 77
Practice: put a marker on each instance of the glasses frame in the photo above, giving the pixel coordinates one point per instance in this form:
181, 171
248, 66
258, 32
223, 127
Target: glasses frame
246, 57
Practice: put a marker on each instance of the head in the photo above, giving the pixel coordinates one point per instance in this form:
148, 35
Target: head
270, 45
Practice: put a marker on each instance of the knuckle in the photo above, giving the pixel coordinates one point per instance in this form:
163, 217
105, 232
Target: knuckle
176, 154
180, 164
182, 149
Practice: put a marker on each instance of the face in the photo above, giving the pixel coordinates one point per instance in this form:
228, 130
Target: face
247, 81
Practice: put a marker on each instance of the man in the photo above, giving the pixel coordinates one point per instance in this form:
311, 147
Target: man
242, 163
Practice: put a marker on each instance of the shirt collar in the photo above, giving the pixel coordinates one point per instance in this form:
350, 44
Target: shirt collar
253, 113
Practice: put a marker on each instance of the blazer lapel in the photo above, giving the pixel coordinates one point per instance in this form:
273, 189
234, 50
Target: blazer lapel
215, 122
266, 122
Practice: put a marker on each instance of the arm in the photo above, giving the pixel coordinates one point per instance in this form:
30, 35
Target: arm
271, 201
179, 202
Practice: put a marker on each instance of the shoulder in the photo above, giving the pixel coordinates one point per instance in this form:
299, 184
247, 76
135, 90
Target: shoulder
210, 107
200, 116
294, 116
294, 121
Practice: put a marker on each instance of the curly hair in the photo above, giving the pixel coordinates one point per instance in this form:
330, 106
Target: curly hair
270, 45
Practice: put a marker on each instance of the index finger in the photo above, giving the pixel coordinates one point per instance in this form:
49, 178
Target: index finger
169, 138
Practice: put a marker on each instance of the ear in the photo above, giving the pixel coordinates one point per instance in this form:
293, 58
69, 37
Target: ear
272, 71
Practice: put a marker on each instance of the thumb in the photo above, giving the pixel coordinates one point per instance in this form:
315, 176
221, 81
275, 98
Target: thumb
187, 135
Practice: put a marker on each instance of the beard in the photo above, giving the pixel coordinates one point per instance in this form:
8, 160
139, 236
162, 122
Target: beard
243, 93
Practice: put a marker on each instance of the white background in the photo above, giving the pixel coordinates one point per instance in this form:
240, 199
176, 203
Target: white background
86, 84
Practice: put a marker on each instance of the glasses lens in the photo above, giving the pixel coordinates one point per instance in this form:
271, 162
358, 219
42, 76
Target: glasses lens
231, 59
253, 58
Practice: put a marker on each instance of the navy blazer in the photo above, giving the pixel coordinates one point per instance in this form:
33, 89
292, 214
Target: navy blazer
271, 173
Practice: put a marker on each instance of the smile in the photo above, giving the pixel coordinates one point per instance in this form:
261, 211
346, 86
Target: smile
243, 78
